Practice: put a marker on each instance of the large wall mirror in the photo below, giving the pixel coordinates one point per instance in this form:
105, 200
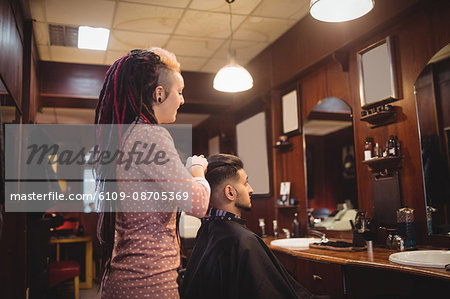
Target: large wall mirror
432, 90
330, 165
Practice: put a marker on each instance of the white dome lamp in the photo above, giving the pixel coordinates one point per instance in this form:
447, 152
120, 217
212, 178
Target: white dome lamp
232, 77
339, 10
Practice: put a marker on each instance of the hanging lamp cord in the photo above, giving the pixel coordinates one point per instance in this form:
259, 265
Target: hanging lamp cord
231, 25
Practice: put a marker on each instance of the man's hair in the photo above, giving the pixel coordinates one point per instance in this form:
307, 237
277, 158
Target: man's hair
222, 167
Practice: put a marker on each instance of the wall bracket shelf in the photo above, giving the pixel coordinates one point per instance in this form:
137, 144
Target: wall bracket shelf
380, 118
384, 164
283, 146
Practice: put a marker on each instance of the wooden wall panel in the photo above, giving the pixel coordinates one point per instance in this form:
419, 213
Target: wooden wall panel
303, 55
11, 50
69, 79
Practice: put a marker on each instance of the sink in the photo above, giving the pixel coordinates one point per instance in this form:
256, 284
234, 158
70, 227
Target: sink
422, 258
294, 243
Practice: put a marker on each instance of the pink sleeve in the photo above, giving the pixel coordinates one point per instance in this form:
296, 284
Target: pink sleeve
173, 176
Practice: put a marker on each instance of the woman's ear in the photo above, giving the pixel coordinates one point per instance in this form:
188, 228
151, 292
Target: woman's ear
159, 94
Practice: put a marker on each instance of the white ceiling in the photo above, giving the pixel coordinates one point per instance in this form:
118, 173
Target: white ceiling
51, 115
324, 127
197, 31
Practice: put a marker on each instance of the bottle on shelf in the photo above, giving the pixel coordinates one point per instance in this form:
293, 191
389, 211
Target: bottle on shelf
392, 146
262, 226
296, 227
275, 228
377, 151
368, 149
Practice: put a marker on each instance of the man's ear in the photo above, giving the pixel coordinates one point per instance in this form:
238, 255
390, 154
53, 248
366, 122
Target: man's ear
230, 193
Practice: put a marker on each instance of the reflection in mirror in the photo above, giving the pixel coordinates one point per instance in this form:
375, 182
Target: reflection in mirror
432, 90
330, 165
8, 106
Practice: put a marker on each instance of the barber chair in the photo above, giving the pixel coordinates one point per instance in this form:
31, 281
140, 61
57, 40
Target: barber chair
64, 270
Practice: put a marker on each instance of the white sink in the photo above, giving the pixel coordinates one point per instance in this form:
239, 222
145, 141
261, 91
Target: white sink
422, 258
294, 243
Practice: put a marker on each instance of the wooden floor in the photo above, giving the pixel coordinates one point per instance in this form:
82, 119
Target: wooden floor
65, 291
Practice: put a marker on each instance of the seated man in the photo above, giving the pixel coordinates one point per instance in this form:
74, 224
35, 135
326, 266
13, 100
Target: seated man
230, 261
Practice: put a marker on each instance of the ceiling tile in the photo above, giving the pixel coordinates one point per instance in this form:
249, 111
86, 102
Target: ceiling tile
37, 9
207, 24
75, 55
244, 50
170, 3
193, 64
213, 65
41, 33
281, 8
137, 17
129, 40
238, 7
191, 46
44, 53
264, 30
300, 14
96, 13
112, 56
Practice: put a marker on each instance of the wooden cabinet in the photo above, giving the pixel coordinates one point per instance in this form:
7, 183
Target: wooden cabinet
362, 274
321, 278
365, 282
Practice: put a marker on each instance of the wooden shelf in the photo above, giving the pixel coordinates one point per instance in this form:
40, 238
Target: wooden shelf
384, 163
286, 207
283, 146
380, 118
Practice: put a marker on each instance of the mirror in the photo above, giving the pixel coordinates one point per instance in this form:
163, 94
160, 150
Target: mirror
432, 90
330, 165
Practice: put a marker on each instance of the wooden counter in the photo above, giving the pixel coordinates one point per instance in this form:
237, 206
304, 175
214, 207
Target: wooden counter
378, 258
360, 274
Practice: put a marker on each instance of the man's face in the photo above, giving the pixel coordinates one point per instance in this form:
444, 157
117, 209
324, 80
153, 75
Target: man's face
244, 191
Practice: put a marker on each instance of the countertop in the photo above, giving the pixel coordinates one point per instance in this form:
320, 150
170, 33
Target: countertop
377, 258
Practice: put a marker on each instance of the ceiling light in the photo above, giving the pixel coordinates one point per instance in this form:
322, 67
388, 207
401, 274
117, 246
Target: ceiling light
339, 10
92, 38
232, 77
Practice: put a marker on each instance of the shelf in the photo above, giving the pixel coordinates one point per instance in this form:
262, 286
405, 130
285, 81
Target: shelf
283, 146
384, 163
380, 118
287, 207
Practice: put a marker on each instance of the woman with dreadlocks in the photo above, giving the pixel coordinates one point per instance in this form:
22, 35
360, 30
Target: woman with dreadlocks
139, 236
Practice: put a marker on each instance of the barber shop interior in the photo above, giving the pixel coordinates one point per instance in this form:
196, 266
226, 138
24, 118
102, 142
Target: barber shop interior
224, 149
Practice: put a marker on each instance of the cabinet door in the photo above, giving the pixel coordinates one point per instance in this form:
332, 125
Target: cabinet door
321, 278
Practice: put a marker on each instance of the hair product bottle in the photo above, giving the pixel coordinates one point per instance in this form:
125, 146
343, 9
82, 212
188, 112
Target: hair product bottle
296, 226
368, 148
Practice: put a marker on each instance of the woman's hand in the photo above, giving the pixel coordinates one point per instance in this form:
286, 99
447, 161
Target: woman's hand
197, 165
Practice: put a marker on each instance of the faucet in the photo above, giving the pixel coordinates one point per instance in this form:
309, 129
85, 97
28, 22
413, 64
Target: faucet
286, 232
323, 238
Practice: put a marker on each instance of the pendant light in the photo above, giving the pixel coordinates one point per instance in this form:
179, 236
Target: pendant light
232, 77
339, 10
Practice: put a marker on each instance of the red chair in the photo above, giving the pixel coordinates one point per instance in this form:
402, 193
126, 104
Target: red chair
62, 271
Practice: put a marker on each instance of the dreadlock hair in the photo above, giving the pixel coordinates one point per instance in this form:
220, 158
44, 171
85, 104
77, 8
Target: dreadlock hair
126, 97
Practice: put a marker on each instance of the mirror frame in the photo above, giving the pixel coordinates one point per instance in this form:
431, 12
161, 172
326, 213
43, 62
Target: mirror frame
340, 234
292, 116
369, 66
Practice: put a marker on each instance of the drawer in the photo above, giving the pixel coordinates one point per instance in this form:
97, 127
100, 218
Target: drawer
321, 278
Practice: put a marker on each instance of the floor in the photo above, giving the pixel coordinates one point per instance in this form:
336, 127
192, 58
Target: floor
90, 293
65, 291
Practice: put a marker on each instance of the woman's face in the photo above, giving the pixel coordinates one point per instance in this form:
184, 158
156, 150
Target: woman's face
166, 111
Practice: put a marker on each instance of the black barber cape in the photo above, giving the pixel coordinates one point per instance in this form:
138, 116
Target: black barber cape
230, 261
